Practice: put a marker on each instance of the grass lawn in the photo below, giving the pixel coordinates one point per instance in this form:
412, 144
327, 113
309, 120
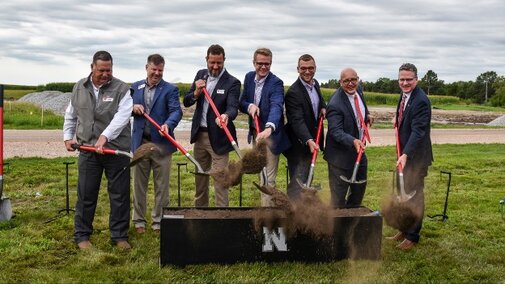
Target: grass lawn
468, 247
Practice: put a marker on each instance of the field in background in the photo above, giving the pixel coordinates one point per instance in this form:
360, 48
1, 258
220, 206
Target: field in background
468, 247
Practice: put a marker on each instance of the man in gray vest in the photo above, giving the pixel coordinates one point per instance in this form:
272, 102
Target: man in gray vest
99, 115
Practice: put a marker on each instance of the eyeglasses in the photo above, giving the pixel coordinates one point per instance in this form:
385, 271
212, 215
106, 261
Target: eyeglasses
310, 68
261, 64
406, 80
349, 80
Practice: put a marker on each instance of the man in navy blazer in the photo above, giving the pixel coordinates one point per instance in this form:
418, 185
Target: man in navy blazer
263, 96
344, 140
304, 106
160, 100
413, 122
212, 146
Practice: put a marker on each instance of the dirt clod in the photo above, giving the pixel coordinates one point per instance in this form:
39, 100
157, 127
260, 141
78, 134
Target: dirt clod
144, 151
255, 159
399, 215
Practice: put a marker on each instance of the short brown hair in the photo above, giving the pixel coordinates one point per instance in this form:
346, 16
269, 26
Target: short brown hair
408, 67
306, 57
263, 51
155, 59
215, 49
102, 55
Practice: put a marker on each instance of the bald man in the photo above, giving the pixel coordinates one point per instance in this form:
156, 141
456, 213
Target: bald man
346, 112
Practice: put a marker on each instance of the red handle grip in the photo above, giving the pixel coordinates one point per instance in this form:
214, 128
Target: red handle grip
94, 149
257, 124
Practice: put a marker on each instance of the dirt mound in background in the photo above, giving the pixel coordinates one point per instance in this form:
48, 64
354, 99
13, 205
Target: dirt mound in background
386, 114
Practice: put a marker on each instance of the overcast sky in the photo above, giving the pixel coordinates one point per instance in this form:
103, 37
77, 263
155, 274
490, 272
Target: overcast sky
53, 41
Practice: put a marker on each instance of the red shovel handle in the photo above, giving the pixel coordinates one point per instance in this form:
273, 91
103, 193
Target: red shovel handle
398, 149
318, 138
218, 115
93, 149
166, 135
257, 124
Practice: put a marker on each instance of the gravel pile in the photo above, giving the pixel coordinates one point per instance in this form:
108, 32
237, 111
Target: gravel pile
500, 121
52, 100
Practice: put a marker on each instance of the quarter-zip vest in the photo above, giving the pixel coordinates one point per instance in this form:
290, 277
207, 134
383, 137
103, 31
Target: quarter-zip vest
94, 115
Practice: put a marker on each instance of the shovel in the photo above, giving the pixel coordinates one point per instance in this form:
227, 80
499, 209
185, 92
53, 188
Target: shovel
5, 203
352, 180
223, 125
199, 169
403, 197
308, 183
257, 126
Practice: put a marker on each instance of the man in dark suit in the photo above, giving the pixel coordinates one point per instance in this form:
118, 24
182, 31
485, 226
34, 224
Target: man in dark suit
347, 116
304, 105
413, 119
263, 96
212, 146
160, 100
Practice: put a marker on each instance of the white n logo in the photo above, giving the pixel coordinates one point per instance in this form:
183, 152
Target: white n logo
272, 239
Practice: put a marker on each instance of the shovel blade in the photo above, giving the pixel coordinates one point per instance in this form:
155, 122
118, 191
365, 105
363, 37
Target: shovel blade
5, 210
404, 197
352, 181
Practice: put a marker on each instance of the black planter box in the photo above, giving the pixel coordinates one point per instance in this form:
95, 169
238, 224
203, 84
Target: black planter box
191, 240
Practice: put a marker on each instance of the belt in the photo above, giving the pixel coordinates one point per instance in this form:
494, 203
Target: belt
203, 129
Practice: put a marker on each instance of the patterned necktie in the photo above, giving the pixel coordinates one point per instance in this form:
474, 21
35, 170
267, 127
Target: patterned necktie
358, 112
400, 111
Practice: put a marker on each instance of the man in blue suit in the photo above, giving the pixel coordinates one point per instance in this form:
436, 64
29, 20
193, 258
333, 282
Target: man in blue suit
212, 146
345, 112
263, 96
160, 100
413, 119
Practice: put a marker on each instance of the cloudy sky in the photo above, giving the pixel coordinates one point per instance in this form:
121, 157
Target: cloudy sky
53, 41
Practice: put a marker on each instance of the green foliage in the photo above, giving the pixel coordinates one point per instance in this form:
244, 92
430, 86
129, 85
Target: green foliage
498, 100
19, 115
19, 87
183, 88
465, 248
16, 94
64, 87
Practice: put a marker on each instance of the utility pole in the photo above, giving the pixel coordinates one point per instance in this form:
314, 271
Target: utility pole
485, 97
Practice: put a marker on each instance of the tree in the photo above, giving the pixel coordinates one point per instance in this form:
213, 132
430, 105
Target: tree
484, 86
430, 82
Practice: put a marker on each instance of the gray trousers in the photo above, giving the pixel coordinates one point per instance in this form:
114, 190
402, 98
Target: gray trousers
208, 159
91, 168
160, 164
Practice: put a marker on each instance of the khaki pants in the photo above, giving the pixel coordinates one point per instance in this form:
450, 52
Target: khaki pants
271, 169
208, 159
160, 165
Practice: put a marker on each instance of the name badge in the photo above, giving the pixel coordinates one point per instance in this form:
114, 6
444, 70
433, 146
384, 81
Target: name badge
141, 86
220, 91
108, 99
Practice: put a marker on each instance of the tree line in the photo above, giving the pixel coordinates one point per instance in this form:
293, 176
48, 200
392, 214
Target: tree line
488, 87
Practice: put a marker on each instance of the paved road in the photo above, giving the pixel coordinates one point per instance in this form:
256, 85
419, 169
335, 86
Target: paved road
48, 143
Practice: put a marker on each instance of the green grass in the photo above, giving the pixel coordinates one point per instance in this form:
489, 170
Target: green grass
18, 115
468, 247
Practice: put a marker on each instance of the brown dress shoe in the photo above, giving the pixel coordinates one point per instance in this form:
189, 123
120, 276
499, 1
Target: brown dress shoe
84, 245
123, 245
140, 230
398, 237
406, 245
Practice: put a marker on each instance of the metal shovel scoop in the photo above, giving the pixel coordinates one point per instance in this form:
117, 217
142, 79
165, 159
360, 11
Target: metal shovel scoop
403, 197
